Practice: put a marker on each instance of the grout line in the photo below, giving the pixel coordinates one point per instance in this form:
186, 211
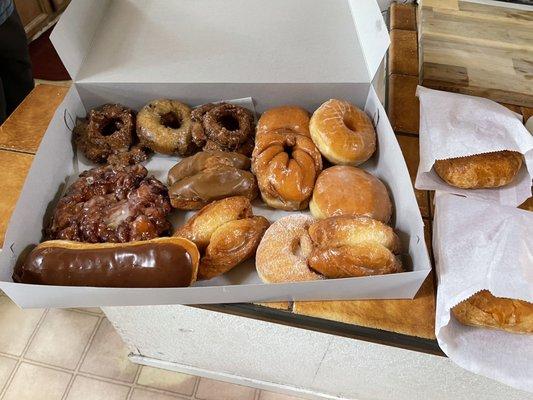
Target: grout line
20, 358
9, 150
82, 357
257, 394
196, 385
135, 383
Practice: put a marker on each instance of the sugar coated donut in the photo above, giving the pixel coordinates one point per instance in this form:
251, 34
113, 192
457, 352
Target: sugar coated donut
283, 251
165, 126
291, 118
343, 133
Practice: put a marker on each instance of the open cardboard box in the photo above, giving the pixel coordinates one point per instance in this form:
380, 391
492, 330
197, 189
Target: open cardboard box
277, 52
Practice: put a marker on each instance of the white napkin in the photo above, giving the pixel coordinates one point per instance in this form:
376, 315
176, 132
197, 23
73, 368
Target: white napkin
482, 245
456, 125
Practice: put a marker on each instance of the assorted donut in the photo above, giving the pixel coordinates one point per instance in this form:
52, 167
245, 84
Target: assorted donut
225, 162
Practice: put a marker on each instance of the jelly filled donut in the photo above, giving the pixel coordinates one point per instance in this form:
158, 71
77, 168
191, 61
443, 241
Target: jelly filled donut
165, 126
226, 127
108, 135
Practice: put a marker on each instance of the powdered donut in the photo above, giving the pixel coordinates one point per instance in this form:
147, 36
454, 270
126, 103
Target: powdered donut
283, 251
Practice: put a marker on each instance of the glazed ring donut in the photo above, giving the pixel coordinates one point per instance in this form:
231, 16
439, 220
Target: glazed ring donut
283, 251
343, 133
165, 126
108, 130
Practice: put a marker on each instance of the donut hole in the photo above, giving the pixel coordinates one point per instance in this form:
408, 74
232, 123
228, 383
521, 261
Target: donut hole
229, 122
170, 120
288, 149
111, 126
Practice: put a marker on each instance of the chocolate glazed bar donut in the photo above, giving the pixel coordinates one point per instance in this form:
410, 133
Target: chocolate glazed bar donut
162, 262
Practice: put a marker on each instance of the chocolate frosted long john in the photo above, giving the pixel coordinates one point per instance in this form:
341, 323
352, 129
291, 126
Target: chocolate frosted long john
162, 262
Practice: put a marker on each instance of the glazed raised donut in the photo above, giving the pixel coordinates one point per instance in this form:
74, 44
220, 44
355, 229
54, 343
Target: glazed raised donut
108, 134
286, 165
343, 133
226, 127
283, 251
165, 126
287, 118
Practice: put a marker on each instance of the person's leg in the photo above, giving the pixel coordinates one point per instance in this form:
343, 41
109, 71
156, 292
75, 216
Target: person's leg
15, 65
2, 103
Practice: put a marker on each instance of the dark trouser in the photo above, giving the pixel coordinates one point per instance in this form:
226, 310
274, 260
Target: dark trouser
16, 79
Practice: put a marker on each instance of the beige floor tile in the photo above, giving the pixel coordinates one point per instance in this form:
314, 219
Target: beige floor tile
167, 380
33, 382
209, 389
7, 365
108, 356
92, 389
276, 396
141, 394
61, 338
16, 326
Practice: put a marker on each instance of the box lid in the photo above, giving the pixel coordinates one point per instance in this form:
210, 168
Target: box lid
230, 41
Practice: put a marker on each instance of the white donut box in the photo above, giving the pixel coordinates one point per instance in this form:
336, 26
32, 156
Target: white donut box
277, 52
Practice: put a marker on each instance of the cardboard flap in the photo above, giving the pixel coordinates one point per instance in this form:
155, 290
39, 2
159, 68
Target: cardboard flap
230, 41
73, 34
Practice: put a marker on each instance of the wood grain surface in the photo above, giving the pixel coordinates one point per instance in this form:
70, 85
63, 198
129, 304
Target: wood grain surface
477, 49
24, 129
13, 170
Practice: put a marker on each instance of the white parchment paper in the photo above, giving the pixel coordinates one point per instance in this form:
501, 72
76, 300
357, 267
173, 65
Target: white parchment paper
456, 125
482, 245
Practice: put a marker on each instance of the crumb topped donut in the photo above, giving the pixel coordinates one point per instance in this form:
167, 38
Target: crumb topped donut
165, 126
225, 127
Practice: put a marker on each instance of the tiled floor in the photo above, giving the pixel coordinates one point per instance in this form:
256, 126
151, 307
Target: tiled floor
77, 355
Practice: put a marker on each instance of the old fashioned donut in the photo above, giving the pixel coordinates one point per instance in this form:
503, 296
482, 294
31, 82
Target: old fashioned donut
165, 126
108, 135
286, 165
112, 204
283, 251
480, 171
288, 118
225, 127
343, 133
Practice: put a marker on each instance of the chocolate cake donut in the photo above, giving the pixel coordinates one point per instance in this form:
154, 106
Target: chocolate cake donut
225, 127
108, 135
112, 204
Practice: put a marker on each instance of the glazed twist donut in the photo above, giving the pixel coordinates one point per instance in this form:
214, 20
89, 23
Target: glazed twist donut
286, 165
165, 126
226, 232
287, 118
343, 133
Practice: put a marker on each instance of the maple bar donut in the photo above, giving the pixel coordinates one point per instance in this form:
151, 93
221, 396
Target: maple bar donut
225, 127
343, 133
286, 165
166, 127
283, 251
208, 176
480, 171
288, 118
108, 135
345, 190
